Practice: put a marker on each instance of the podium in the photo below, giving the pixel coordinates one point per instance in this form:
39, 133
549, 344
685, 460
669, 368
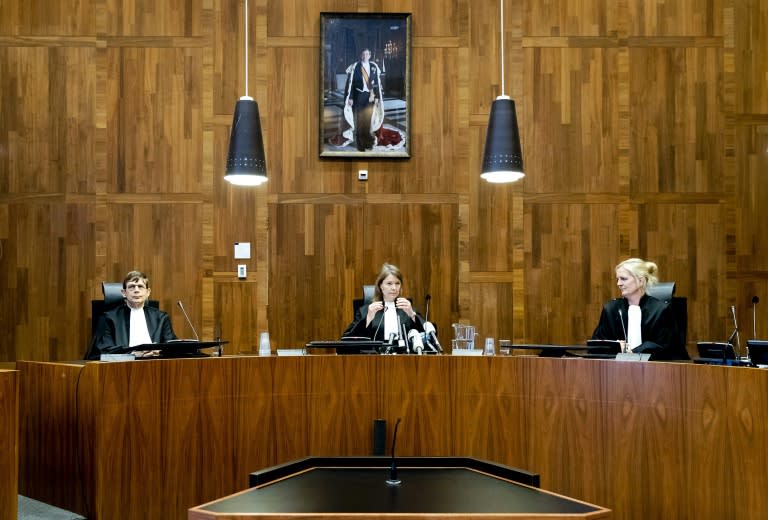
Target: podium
355, 487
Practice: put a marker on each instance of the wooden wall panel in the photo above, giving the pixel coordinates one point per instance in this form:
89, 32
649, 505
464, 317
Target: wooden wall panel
42, 18
48, 125
573, 141
138, 18
752, 194
235, 316
683, 18
676, 120
643, 130
750, 53
563, 18
154, 99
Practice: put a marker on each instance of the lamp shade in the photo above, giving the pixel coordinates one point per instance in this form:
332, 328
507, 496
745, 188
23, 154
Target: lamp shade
503, 157
246, 165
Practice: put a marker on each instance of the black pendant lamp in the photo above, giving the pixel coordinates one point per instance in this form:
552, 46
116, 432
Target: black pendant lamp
503, 156
246, 164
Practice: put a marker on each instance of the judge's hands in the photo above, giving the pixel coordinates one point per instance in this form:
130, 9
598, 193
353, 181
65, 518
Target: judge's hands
146, 353
373, 308
404, 304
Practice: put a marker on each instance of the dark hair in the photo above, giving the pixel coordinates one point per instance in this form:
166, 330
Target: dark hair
135, 276
386, 270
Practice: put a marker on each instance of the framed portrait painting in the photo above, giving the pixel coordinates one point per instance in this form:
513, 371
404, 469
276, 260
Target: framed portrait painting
365, 89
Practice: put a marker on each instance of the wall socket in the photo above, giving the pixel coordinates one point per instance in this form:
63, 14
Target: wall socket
362, 175
242, 273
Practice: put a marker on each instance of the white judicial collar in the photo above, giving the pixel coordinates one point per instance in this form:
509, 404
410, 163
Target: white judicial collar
390, 320
138, 333
634, 319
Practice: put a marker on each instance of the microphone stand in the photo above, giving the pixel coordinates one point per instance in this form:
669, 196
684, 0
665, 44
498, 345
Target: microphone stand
735, 334
755, 299
393, 480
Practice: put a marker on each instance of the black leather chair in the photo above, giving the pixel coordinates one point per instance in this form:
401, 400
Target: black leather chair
665, 291
368, 291
113, 297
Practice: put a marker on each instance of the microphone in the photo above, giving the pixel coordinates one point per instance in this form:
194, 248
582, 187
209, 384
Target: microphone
755, 299
189, 322
393, 480
401, 341
427, 298
735, 333
379, 325
623, 328
416, 342
429, 329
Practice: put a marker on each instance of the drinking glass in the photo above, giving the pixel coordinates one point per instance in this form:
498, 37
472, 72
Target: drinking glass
490, 347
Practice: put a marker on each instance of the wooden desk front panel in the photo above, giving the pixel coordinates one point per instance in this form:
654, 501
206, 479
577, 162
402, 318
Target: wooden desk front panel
9, 444
647, 440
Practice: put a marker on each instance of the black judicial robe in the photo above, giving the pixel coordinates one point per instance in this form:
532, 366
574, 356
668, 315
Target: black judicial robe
657, 327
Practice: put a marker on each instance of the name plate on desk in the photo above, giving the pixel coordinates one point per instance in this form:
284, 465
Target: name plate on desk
467, 352
631, 356
117, 357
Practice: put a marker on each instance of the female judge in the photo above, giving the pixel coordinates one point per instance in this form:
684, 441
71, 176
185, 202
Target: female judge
645, 323
388, 316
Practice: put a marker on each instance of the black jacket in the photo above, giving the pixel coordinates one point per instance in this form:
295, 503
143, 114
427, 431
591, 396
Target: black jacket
358, 329
114, 330
657, 327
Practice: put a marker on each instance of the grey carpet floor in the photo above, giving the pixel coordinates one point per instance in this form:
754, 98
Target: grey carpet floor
30, 509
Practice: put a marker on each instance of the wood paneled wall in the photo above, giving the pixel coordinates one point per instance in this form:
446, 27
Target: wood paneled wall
644, 127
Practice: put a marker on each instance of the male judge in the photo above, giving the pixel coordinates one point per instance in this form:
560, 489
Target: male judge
133, 322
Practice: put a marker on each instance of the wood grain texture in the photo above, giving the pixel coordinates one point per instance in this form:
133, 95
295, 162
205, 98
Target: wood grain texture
643, 127
628, 436
9, 443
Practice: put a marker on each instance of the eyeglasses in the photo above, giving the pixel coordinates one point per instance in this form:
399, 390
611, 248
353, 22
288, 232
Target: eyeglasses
135, 286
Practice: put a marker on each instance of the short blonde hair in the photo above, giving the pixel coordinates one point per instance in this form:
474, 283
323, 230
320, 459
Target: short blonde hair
642, 270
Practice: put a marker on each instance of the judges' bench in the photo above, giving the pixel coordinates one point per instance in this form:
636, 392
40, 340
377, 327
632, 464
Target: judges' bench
150, 439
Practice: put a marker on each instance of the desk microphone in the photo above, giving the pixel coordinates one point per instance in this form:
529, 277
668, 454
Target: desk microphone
735, 331
197, 338
402, 340
393, 480
755, 299
623, 328
375, 333
427, 298
431, 334
417, 344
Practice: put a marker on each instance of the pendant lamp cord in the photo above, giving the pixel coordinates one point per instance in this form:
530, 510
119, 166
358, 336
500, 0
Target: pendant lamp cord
501, 32
246, 47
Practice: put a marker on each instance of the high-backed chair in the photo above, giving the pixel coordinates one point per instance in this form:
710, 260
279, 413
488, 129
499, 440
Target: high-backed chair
665, 291
368, 291
113, 296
